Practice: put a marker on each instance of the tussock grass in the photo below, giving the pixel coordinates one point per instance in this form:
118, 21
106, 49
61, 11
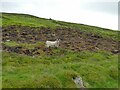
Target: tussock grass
94, 67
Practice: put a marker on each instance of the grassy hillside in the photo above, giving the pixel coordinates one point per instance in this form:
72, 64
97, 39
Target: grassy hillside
28, 20
86, 51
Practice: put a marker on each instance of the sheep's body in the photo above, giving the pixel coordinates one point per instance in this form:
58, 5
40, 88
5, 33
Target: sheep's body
52, 43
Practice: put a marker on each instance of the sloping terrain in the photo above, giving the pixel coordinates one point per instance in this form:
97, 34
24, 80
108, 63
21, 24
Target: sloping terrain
86, 51
70, 39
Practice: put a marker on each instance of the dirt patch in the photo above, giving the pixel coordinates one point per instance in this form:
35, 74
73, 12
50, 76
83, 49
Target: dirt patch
70, 39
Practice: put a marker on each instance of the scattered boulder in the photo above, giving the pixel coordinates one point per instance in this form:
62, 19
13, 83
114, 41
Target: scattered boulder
78, 81
116, 51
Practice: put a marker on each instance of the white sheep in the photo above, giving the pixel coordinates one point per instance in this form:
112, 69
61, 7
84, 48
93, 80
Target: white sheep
53, 43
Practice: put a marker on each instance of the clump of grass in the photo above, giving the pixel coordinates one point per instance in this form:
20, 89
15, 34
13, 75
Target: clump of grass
113, 72
47, 81
25, 45
11, 43
95, 68
66, 77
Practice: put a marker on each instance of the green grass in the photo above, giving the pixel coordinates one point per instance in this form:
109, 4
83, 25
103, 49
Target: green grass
32, 21
11, 43
95, 68
25, 45
1, 70
98, 69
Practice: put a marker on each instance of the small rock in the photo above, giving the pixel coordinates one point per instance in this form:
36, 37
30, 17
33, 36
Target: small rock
33, 56
116, 51
7, 40
78, 81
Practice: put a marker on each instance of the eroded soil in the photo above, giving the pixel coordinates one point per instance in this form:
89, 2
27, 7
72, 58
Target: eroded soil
70, 39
